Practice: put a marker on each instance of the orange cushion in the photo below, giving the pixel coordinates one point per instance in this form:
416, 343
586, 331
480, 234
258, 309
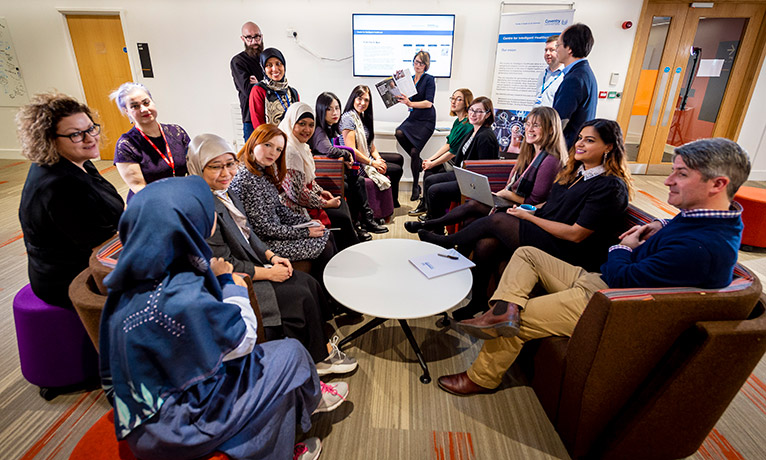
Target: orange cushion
753, 201
100, 443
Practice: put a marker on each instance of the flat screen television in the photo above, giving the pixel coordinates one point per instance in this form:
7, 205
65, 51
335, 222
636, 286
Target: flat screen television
384, 43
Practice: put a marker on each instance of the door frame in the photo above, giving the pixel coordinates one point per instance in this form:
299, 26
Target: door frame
132, 59
738, 93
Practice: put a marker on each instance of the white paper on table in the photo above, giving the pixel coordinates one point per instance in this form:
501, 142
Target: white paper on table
710, 68
433, 265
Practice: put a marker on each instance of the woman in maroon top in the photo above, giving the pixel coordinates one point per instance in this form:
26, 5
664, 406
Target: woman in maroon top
149, 151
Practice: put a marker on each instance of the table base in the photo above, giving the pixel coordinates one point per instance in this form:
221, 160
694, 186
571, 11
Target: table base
373, 323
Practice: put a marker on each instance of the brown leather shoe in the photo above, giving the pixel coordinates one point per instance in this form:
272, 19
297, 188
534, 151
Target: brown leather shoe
501, 321
460, 384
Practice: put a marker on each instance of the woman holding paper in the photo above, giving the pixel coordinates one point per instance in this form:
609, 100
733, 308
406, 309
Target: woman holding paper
415, 131
258, 183
292, 303
356, 126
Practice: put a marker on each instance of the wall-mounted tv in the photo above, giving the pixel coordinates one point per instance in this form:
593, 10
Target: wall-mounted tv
384, 43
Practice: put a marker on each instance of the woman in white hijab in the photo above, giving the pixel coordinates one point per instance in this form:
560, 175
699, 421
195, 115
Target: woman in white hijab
301, 192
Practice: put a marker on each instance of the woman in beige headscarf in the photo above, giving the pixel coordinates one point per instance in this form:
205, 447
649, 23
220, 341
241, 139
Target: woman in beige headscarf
292, 302
301, 192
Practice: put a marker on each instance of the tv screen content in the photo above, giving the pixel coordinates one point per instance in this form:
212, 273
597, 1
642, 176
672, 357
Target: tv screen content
384, 43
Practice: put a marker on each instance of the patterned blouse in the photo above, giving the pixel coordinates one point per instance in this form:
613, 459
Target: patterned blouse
272, 221
300, 194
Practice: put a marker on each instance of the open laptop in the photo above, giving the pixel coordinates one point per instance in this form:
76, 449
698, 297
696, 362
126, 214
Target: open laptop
476, 187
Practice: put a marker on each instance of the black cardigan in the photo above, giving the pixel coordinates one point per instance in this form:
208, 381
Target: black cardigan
65, 212
484, 146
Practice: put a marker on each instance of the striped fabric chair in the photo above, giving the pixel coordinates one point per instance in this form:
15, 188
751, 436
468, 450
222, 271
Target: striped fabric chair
329, 173
648, 372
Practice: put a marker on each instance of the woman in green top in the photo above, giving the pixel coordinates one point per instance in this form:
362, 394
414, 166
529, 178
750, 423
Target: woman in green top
441, 161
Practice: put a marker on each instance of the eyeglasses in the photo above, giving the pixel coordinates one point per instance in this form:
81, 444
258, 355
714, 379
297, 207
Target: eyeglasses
251, 38
480, 112
79, 136
455, 99
217, 168
418, 62
529, 125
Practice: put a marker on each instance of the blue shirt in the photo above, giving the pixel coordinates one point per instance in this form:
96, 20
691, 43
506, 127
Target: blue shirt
548, 83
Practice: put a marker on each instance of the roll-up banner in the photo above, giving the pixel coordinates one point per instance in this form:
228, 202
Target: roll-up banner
518, 63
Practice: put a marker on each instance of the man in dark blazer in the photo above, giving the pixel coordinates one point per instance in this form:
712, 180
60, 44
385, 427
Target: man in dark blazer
576, 98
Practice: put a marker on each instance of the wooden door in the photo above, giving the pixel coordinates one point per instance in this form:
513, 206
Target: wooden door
691, 75
102, 58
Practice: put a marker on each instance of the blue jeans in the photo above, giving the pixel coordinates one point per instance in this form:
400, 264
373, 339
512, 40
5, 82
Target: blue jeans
248, 129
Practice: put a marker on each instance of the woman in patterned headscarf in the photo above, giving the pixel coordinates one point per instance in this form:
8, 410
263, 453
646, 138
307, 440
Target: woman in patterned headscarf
271, 97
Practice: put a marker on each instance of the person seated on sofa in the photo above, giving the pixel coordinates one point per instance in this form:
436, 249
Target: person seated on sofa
696, 248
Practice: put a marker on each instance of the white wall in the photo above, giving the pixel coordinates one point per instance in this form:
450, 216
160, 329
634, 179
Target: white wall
191, 43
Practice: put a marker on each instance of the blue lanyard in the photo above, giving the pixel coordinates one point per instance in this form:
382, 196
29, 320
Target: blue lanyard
287, 96
551, 82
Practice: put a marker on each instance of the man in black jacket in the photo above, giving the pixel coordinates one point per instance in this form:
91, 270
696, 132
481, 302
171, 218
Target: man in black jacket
246, 70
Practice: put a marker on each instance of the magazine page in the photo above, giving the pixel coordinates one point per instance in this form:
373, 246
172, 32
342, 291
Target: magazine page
388, 92
404, 82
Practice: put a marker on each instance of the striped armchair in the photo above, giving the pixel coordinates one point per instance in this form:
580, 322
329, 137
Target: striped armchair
329, 173
497, 171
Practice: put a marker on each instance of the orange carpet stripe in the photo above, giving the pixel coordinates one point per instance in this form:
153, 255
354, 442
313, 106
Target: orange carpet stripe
107, 169
458, 445
13, 164
3, 181
716, 446
755, 391
61, 443
17, 237
659, 203
46, 437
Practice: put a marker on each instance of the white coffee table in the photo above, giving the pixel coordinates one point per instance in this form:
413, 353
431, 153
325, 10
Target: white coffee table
377, 279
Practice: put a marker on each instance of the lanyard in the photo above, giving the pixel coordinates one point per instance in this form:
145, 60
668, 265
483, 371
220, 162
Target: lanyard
542, 91
168, 157
287, 96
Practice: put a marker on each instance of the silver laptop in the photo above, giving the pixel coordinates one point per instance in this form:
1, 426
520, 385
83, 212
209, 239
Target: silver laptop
476, 187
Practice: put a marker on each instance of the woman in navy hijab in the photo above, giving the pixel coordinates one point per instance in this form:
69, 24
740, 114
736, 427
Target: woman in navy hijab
179, 361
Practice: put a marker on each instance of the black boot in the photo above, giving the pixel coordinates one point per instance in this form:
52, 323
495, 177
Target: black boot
420, 210
369, 224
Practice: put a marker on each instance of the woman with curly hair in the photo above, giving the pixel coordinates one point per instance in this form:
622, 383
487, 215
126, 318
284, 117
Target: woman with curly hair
67, 208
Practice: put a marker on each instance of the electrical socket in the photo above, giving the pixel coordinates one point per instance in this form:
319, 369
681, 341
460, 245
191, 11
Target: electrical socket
290, 33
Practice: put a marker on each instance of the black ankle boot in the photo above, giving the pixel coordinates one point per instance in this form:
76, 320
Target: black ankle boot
420, 210
415, 192
369, 224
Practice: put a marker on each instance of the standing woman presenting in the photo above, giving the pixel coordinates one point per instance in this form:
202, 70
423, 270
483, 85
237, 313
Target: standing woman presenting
149, 151
415, 131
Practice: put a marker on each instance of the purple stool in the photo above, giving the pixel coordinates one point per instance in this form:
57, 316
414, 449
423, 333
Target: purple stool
381, 202
56, 353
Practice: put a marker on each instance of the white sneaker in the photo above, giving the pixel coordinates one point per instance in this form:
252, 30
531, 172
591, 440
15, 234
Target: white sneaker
337, 362
333, 395
307, 450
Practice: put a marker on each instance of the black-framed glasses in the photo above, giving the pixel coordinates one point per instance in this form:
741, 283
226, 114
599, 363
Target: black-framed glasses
217, 168
79, 136
480, 112
250, 38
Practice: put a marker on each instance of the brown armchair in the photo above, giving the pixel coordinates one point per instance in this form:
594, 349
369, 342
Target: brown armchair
648, 372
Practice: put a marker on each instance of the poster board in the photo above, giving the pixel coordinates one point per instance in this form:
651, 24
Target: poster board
13, 92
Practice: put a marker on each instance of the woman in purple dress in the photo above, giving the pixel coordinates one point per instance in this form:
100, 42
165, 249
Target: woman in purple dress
149, 151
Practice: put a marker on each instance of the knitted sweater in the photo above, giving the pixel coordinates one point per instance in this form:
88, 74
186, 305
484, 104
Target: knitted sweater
688, 251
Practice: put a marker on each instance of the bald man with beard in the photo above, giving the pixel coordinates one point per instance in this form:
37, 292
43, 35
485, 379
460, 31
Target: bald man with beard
246, 70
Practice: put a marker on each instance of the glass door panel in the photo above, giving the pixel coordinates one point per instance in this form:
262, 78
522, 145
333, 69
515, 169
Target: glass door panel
711, 59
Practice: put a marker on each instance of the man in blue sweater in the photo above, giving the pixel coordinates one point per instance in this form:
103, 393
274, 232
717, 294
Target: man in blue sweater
697, 248
577, 96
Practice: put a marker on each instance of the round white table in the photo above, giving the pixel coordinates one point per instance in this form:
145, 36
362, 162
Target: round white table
376, 278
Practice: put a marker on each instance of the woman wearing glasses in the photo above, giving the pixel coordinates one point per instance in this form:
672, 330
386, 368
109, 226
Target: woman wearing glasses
479, 144
419, 126
291, 302
67, 208
149, 151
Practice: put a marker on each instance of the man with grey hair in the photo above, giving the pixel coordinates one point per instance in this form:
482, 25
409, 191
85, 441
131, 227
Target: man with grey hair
550, 78
698, 247
246, 70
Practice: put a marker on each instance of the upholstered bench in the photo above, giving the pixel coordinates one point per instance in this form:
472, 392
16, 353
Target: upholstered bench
753, 201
